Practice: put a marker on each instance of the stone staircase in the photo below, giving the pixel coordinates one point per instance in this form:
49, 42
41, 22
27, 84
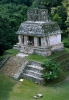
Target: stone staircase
27, 50
33, 71
17, 67
13, 67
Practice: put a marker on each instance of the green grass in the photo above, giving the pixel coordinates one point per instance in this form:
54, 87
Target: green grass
6, 85
36, 57
12, 52
15, 90
39, 58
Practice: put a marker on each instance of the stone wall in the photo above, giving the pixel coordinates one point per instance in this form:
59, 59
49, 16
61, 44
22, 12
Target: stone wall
57, 47
54, 39
42, 52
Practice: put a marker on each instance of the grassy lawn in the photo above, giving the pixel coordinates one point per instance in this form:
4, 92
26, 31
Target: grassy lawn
14, 90
12, 52
39, 58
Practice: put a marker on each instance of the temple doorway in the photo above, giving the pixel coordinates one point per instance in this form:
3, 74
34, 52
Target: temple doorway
23, 38
31, 40
39, 41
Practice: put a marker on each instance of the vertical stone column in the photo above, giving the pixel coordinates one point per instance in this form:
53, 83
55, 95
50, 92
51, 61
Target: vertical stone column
43, 42
25, 40
20, 39
35, 41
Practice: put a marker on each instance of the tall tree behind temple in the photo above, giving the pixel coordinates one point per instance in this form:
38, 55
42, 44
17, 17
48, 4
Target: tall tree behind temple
26, 2
11, 17
46, 3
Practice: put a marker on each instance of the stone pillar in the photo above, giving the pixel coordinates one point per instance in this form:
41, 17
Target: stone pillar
47, 41
35, 41
43, 42
25, 40
20, 39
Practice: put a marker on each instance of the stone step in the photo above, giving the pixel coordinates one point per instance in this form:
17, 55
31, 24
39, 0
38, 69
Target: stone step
35, 68
31, 51
20, 70
27, 50
35, 63
34, 78
34, 73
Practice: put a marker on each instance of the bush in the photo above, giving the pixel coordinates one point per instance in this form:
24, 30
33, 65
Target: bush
51, 70
66, 42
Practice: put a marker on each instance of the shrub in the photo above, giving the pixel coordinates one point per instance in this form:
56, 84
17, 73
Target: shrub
51, 70
66, 42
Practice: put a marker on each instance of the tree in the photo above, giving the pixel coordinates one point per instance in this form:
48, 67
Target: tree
57, 18
45, 4
17, 2
59, 15
11, 17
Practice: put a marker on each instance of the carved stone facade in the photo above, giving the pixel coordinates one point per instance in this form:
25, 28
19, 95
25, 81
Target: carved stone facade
37, 15
38, 34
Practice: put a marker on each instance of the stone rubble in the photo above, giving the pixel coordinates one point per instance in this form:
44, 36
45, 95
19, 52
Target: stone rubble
38, 96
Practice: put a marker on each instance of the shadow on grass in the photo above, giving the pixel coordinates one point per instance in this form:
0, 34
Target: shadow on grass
6, 85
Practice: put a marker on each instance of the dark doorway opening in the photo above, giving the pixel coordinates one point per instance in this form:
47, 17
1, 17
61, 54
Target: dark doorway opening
23, 38
39, 39
31, 40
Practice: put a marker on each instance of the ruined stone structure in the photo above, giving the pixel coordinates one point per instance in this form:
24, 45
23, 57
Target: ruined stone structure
39, 34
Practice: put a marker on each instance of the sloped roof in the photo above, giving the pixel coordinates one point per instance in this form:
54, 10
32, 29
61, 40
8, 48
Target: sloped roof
38, 28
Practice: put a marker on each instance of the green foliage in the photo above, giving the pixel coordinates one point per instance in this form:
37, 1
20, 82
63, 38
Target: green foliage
46, 3
67, 23
51, 70
11, 17
66, 42
57, 18
59, 15
18, 2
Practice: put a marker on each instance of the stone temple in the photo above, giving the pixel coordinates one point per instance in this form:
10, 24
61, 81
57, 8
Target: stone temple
39, 34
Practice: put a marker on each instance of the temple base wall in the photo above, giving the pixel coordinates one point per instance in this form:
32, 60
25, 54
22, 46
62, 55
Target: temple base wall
57, 47
46, 51
42, 52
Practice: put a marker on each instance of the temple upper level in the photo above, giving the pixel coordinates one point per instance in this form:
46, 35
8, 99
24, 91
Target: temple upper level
37, 15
